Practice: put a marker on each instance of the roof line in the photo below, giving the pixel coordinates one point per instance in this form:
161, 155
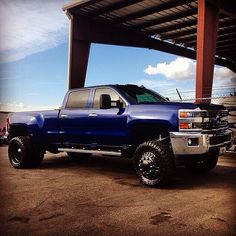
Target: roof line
81, 3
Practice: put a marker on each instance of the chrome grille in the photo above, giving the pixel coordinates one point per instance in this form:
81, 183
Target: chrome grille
214, 120
214, 113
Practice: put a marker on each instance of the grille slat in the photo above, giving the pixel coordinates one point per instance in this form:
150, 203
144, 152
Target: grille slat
215, 121
216, 113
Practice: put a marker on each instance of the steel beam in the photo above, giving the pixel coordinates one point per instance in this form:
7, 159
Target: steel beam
114, 6
75, 7
151, 10
220, 38
179, 34
185, 32
104, 33
174, 26
79, 49
226, 43
179, 25
165, 19
186, 39
208, 16
86, 30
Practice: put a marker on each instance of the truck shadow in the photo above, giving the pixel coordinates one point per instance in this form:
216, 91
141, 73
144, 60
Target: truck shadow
94, 163
221, 176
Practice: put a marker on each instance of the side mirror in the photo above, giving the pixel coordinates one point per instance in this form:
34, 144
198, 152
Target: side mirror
105, 101
119, 104
167, 99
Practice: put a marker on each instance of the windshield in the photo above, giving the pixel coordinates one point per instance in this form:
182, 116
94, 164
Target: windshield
141, 95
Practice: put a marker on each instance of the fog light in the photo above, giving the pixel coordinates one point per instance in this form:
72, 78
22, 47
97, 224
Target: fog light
193, 142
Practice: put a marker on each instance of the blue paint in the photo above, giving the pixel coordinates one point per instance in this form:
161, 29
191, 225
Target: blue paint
110, 127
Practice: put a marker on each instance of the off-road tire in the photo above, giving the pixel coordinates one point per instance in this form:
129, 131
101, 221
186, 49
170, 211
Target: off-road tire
23, 154
204, 162
154, 163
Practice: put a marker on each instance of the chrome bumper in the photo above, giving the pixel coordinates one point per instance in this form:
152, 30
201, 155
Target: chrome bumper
186, 143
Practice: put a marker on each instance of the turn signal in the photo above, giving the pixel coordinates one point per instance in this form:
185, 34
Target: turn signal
184, 125
183, 114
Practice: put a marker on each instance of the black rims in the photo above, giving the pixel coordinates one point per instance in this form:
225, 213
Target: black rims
149, 166
153, 163
15, 153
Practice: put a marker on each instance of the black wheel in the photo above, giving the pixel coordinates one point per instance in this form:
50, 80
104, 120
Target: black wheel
153, 163
22, 154
205, 162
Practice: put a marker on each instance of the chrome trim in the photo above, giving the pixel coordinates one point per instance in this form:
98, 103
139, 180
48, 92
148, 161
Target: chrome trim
197, 110
92, 115
219, 129
111, 153
179, 142
220, 119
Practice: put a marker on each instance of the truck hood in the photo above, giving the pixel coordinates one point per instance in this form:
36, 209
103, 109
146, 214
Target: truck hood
162, 106
175, 106
164, 113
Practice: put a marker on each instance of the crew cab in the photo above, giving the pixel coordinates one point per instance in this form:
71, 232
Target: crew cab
123, 120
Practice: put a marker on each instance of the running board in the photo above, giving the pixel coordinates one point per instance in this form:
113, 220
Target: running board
111, 153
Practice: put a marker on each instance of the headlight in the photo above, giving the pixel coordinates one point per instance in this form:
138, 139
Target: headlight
184, 114
189, 120
185, 125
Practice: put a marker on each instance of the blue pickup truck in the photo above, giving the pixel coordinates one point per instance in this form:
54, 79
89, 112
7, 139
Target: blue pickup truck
127, 121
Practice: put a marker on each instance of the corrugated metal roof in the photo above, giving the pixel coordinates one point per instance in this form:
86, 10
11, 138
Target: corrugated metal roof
172, 21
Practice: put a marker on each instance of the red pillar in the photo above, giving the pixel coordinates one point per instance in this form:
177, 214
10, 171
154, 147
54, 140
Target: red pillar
206, 46
79, 48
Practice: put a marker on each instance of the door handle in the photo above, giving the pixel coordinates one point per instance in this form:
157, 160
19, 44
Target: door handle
64, 115
92, 115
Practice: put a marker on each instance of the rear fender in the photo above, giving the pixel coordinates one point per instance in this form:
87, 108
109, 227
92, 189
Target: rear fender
21, 124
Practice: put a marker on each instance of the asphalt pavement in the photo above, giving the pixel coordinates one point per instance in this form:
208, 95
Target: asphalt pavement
100, 195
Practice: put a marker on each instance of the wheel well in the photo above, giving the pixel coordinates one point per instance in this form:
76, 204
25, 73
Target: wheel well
147, 132
18, 130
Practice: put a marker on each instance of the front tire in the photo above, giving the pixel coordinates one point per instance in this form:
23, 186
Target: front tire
204, 162
153, 163
22, 153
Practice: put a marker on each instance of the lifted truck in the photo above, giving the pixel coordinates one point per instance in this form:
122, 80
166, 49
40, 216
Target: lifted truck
127, 121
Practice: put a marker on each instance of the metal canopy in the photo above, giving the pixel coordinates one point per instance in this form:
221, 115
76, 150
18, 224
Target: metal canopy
165, 25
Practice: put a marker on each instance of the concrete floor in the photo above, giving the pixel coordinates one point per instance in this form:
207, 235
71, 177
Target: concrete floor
101, 196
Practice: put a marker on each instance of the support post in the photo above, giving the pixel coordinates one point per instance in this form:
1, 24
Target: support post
207, 27
79, 48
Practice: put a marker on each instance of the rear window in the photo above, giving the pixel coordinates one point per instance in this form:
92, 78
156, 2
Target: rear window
78, 99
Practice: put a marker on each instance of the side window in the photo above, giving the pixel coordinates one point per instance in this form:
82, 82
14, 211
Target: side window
114, 97
77, 99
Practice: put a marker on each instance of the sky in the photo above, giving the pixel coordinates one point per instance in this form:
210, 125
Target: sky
33, 60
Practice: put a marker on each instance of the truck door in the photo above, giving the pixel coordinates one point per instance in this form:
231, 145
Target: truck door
73, 118
107, 126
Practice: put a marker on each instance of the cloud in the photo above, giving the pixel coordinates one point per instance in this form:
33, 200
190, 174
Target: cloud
185, 69
29, 27
224, 76
179, 69
16, 107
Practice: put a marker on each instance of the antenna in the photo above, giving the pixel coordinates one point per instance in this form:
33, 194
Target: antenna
179, 95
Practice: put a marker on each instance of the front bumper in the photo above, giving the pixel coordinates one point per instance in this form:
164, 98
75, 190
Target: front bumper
182, 142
